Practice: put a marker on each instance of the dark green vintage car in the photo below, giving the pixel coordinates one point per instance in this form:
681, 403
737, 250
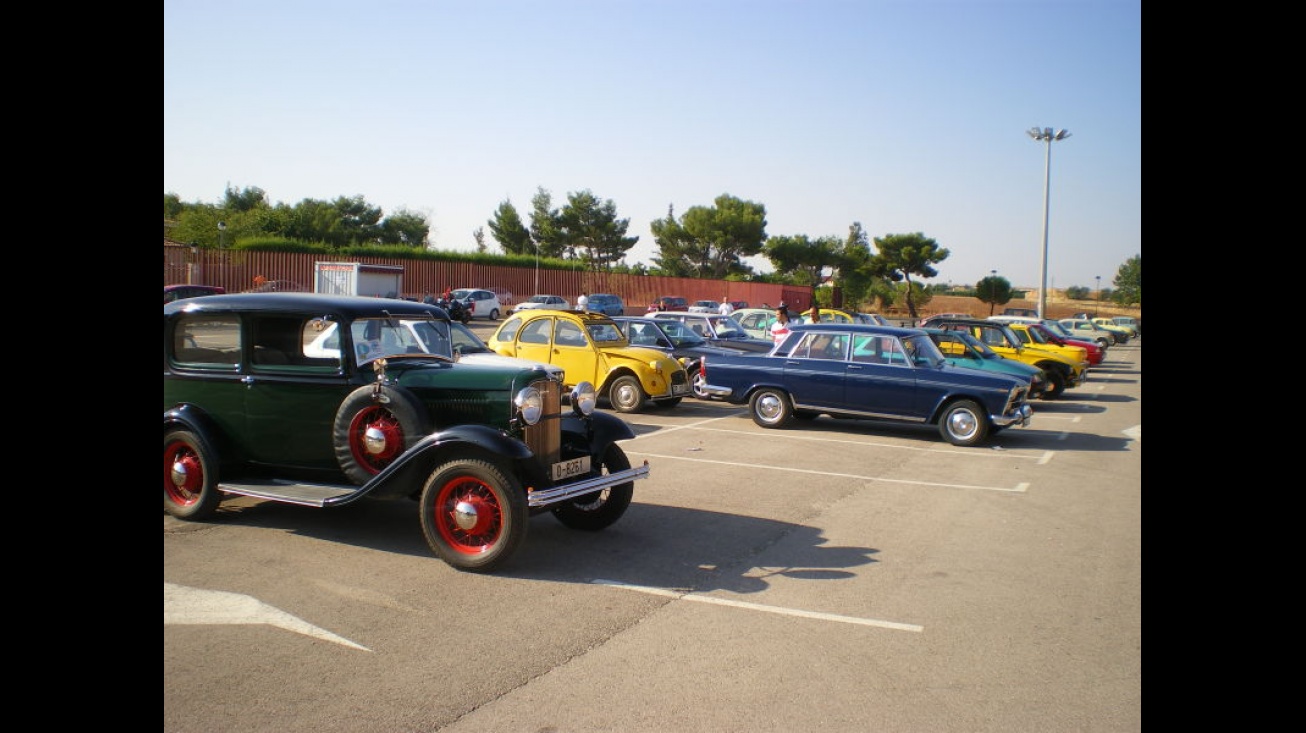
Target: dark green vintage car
263, 398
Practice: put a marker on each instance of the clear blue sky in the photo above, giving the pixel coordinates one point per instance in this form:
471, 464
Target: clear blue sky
904, 115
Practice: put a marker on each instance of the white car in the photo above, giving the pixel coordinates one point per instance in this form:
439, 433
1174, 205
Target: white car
458, 342
554, 302
481, 303
705, 306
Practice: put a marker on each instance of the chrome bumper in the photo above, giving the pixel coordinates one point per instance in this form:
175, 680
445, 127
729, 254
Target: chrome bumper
1021, 417
545, 497
716, 391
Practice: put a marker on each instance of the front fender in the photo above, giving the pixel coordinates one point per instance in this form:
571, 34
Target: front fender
602, 430
406, 475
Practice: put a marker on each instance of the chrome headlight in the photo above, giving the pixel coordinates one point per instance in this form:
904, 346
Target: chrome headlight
583, 398
656, 366
529, 404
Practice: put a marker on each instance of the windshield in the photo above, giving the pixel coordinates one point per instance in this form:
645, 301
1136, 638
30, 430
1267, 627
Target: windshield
977, 345
1056, 328
1038, 335
462, 338
681, 335
728, 328
375, 338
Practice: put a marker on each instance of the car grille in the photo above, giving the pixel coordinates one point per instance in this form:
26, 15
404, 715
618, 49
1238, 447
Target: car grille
544, 438
679, 377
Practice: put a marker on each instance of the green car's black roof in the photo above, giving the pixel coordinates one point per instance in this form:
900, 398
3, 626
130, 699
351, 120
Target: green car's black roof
347, 306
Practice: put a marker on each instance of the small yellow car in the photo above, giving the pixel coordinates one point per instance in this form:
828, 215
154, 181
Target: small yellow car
591, 348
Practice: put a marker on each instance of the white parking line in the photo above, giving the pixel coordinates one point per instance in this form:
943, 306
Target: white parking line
688, 596
1019, 488
787, 435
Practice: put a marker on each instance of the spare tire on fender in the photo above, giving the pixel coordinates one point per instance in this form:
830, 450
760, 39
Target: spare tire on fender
375, 425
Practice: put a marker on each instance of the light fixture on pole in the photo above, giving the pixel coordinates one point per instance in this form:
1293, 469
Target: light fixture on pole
222, 229
537, 267
1099, 296
1046, 136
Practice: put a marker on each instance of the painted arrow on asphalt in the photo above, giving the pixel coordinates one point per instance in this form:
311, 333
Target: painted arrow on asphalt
190, 606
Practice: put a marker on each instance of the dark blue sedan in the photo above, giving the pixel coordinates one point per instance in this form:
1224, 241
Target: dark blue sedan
868, 372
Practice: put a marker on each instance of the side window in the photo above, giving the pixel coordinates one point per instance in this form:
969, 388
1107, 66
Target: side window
638, 334
209, 341
509, 329
536, 332
569, 334
891, 348
866, 350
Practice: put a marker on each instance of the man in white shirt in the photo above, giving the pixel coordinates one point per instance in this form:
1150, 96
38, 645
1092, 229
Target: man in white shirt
582, 303
725, 308
780, 329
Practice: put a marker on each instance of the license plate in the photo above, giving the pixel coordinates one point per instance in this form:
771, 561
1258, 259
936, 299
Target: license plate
568, 469
680, 389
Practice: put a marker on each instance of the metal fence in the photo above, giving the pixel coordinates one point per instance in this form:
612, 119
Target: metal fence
236, 271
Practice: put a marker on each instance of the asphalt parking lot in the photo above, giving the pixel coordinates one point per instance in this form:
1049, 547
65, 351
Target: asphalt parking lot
837, 576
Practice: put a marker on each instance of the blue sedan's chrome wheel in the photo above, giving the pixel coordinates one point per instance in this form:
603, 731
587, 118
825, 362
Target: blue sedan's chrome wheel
962, 424
771, 408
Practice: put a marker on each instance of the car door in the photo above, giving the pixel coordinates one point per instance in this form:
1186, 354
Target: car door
881, 378
574, 352
814, 374
534, 341
290, 400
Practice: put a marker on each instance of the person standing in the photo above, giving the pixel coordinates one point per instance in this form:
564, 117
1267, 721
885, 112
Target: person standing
780, 329
725, 309
582, 303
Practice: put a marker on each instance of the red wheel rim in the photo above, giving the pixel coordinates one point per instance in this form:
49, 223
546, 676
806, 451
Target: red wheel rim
183, 474
377, 421
468, 515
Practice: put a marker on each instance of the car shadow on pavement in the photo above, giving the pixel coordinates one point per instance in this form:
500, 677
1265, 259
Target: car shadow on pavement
653, 545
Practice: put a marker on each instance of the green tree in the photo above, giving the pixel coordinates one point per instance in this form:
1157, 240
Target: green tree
544, 225
247, 200
589, 229
478, 234
509, 231
1078, 292
172, 206
710, 241
994, 290
904, 255
1129, 282
803, 258
404, 227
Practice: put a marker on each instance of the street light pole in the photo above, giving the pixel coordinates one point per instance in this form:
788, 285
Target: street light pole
1045, 135
1098, 310
537, 268
222, 229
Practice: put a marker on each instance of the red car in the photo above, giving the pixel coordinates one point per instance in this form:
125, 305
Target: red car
669, 303
1058, 334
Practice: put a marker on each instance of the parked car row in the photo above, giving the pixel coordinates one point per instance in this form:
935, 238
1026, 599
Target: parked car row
323, 400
